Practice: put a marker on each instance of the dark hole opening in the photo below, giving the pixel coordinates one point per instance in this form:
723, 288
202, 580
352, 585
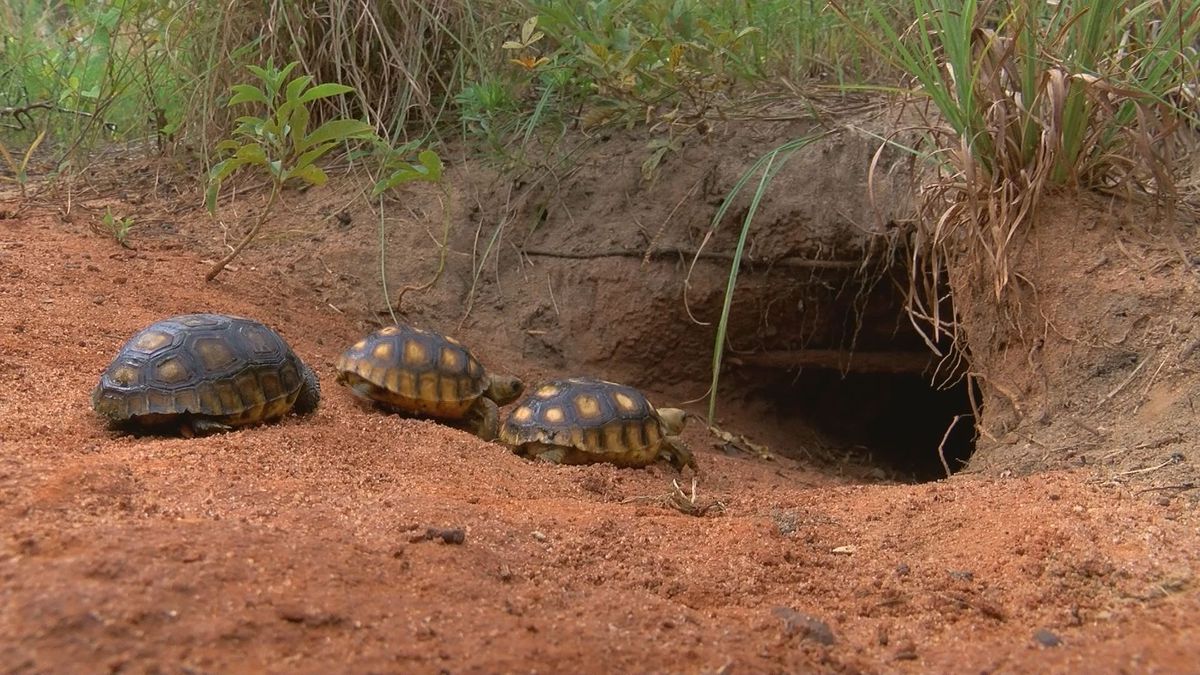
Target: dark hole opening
893, 422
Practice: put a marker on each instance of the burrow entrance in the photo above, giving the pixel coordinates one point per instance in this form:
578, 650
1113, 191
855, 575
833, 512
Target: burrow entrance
897, 423
881, 410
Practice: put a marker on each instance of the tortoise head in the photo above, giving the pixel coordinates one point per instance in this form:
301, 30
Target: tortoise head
672, 420
504, 389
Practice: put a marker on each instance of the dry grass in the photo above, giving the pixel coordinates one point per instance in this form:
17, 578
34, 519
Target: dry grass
1021, 99
402, 57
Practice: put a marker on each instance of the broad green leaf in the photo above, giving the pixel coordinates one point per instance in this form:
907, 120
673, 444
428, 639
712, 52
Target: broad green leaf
311, 174
432, 163
296, 86
283, 114
260, 73
219, 172
313, 154
224, 168
244, 93
227, 145
251, 153
337, 130
324, 91
298, 126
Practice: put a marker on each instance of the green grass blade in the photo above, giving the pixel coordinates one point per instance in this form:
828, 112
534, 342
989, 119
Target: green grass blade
770, 164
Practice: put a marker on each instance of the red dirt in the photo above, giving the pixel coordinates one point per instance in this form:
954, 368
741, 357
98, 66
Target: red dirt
300, 547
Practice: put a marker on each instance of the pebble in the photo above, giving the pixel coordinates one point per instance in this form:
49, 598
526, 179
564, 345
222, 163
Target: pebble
807, 627
1046, 638
905, 651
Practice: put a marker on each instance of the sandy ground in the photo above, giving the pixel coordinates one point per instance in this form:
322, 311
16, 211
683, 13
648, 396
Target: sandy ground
307, 546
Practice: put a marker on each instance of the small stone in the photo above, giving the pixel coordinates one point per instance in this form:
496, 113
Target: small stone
119, 280
453, 535
903, 569
845, 550
1163, 501
807, 627
98, 300
906, 650
1046, 639
539, 535
92, 268
962, 575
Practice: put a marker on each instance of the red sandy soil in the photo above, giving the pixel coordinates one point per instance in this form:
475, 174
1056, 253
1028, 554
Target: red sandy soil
302, 547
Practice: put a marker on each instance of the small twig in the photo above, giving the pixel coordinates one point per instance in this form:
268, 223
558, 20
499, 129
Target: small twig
653, 240
942, 445
17, 111
1150, 383
262, 217
1180, 486
443, 247
1173, 459
1121, 386
1085, 426
553, 302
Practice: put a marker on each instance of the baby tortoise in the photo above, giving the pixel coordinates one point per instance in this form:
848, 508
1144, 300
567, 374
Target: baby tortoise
584, 420
421, 373
197, 374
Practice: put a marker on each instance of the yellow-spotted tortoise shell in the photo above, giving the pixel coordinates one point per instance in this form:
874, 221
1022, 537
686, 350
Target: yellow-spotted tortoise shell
421, 373
583, 420
197, 374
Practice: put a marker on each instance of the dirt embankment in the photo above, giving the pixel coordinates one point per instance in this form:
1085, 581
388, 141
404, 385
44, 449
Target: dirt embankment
304, 546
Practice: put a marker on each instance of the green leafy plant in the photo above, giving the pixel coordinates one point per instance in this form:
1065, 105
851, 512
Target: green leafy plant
279, 142
118, 227
428, 168
103, 68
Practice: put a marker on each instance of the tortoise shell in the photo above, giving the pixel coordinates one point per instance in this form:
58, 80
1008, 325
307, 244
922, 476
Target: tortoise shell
419, 372
201, 373
584, 420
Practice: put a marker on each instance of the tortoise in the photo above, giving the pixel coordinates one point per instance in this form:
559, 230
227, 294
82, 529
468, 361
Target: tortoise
198, 374
424, 374
583, 420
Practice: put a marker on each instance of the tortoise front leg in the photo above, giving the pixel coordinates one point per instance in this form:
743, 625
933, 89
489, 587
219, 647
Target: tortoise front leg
678, 454
202, 426
483, 419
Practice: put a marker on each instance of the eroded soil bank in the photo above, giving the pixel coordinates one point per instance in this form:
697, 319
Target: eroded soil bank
302, 546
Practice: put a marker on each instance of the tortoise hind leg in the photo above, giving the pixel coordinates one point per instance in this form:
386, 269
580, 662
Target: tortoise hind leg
310, 393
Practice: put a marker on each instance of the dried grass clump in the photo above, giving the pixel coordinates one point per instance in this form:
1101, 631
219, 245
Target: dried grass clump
1030, 97
401, 56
